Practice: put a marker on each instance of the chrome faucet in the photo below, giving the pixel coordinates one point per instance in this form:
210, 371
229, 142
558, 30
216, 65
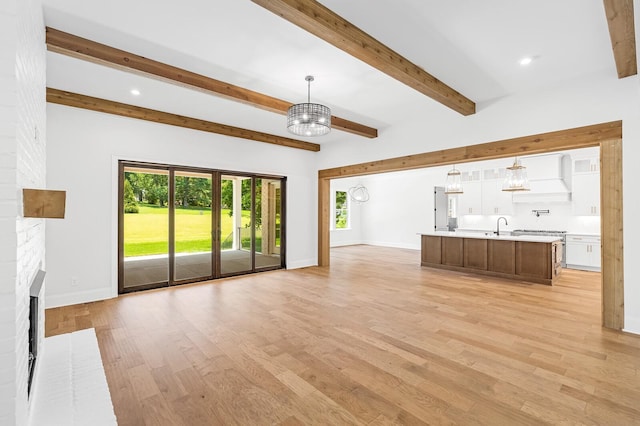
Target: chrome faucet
498, 224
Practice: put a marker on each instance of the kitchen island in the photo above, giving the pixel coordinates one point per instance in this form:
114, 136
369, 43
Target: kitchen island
530, 258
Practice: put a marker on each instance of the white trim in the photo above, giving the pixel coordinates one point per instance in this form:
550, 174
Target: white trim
57, 300
302, 263
114, 226
632, 325
347, 243
393, 245
584, 267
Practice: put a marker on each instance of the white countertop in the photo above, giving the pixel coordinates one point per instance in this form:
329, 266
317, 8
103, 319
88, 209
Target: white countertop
492, 236
479, 230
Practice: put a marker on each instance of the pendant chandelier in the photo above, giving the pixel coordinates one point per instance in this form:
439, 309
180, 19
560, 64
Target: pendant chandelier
309, 119
454, 182
359, 194
516, 179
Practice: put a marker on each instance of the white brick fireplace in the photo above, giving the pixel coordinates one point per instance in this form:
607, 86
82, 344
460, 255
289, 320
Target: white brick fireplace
22, 165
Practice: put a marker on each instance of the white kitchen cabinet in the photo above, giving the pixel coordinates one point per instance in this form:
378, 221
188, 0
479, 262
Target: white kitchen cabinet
494, 199
586, 194
583, 252
470, 202
586, 165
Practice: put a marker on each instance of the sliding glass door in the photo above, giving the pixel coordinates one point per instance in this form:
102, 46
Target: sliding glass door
193, 226
236, 224
180, 224
268, 212
144, 227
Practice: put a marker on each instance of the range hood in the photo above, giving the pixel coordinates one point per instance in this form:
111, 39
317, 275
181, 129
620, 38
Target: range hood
548, 175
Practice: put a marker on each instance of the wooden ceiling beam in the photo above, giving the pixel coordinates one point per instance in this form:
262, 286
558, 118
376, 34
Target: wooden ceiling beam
623, 37
332, 28
81, 48
579, 137
111, 107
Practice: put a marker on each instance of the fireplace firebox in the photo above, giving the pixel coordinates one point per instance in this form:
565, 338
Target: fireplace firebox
34, 323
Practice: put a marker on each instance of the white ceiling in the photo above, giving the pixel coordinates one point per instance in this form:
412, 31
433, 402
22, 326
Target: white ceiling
473, 46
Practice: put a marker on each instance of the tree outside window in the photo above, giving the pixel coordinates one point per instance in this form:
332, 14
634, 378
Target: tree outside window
342, 210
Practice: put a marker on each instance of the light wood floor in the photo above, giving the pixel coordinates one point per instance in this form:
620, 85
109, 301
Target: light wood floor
375, 339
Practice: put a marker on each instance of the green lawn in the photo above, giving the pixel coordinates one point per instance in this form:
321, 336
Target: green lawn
146, 232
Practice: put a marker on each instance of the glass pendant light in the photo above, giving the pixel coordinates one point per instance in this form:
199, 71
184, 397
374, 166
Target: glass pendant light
359, 194
516, 179
454, 182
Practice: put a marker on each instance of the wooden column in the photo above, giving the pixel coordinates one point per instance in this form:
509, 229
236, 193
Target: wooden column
324, 202
611, 234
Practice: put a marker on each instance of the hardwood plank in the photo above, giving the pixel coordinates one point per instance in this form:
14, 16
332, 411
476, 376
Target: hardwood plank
142, 381
116, 108
332, 28
168, 385
81, 48
208, 398
353, 344
623, 36
611, 222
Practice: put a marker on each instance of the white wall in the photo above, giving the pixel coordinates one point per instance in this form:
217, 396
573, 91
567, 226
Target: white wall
401, 206
353, 234
597, 99
22, 165
82, 152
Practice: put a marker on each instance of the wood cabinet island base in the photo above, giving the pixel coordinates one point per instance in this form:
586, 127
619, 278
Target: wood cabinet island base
514, 258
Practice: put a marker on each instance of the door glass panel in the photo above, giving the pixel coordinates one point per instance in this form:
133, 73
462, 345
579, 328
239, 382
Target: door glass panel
193, 226
236, 231
146, 227
268, 222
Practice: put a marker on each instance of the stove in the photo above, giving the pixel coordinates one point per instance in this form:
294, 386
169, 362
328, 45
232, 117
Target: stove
561, 234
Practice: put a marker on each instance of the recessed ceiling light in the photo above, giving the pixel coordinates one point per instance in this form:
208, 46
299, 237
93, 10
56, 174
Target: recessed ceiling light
526, 60
135, 92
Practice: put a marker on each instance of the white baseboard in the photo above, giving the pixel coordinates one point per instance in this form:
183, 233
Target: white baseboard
584, 268
302, 263
631, 325
66, 299
394, 245
346, 243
